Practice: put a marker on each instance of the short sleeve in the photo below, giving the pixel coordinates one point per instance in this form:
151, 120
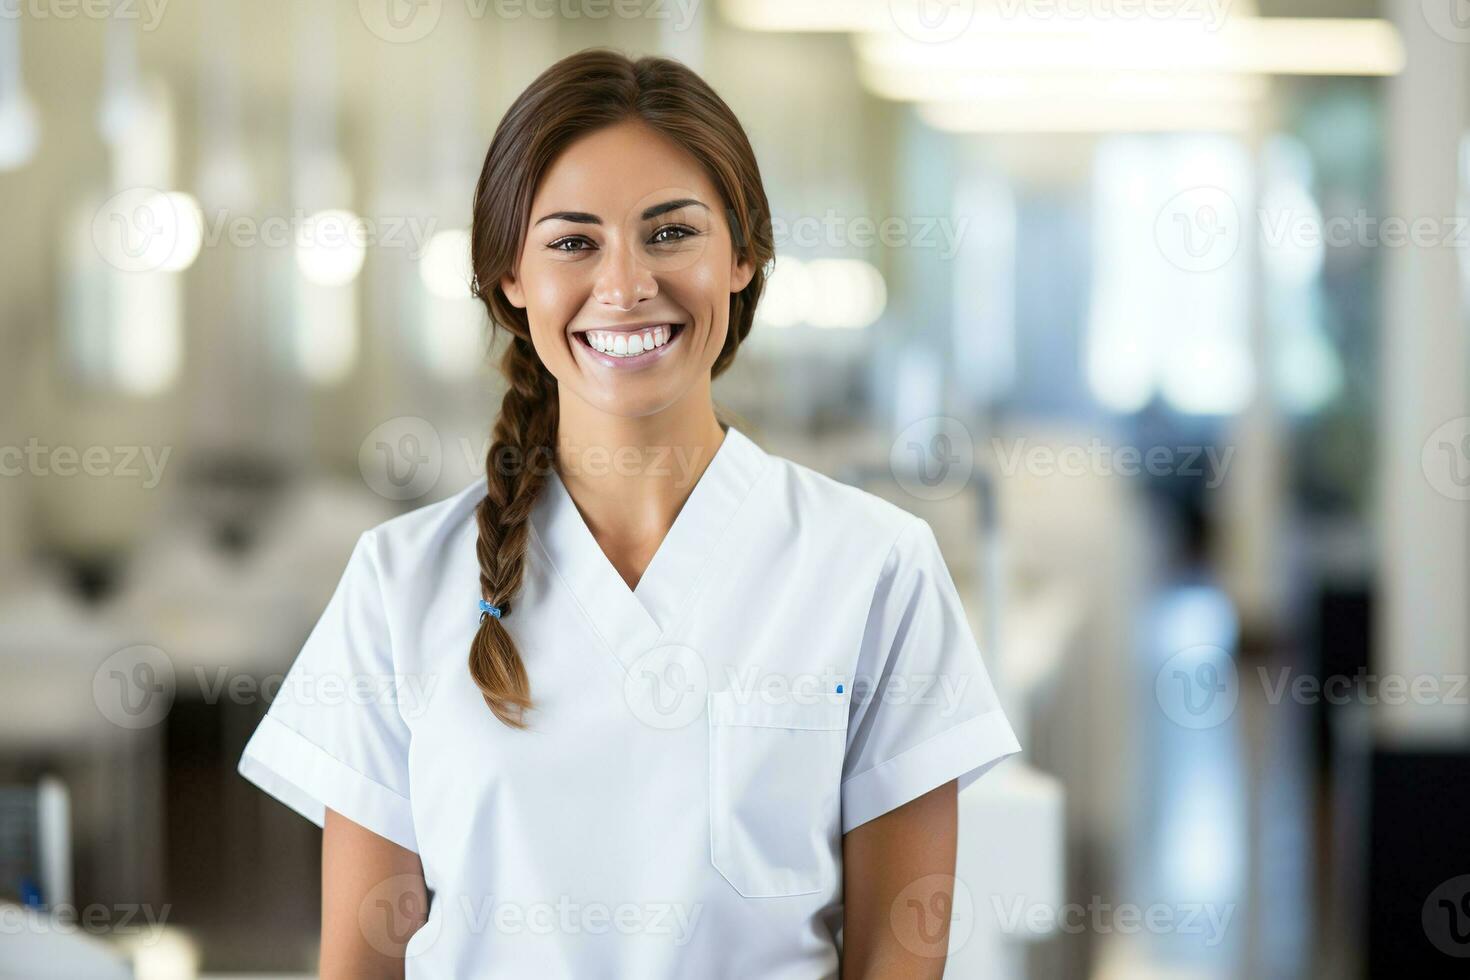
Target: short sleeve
335, 735
924, 710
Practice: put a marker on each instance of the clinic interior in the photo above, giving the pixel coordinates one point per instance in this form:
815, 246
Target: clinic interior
1132, 303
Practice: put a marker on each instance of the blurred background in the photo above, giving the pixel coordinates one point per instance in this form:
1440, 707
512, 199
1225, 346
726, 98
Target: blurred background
1154, 309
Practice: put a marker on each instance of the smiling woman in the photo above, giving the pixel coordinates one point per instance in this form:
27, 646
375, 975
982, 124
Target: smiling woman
619, 258
661, 760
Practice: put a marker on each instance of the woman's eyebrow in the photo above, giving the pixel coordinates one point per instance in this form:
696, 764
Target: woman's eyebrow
584, 218
580, 217
667, 206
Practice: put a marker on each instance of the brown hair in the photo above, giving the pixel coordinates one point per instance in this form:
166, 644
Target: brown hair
579, 94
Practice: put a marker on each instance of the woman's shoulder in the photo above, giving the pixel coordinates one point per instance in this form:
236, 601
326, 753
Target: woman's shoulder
423, 530
817, 501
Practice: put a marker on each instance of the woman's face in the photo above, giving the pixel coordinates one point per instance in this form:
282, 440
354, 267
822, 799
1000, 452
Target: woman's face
626, 271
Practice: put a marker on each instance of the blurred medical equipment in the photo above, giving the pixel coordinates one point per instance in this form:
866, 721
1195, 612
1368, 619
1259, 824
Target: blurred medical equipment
39, 935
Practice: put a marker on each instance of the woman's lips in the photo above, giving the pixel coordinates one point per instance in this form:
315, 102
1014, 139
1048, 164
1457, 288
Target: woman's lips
628, 361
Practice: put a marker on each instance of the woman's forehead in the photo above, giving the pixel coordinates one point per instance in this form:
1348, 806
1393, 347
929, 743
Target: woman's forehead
620, 171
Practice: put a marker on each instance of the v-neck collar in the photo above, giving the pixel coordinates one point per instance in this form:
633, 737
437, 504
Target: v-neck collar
633, 621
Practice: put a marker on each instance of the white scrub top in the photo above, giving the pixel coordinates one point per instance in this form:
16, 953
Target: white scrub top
794, 662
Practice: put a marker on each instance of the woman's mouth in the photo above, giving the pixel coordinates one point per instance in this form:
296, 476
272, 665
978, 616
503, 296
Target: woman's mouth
627, 347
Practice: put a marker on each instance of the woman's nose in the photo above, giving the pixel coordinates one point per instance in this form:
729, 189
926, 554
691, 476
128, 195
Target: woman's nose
623, 281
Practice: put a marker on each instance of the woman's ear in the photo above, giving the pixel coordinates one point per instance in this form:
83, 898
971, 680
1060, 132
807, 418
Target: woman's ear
511, 287
742, 269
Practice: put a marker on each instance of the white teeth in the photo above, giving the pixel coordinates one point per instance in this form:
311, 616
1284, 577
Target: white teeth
629, 344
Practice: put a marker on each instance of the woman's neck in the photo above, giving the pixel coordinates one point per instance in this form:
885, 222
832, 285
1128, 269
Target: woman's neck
629, 477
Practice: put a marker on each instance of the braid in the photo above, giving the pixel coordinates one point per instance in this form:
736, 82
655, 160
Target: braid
524, 432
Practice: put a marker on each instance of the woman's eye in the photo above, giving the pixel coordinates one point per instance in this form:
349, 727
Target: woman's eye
561, 244
672, 233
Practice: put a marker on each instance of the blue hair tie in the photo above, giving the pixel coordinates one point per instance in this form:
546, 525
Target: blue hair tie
487, 609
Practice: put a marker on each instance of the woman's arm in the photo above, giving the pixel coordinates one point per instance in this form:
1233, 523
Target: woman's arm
898, 888
373, 900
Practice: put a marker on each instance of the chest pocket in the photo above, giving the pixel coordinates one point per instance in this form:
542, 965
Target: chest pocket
775, 775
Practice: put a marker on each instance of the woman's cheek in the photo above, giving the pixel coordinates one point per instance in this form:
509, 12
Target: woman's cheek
554, 305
